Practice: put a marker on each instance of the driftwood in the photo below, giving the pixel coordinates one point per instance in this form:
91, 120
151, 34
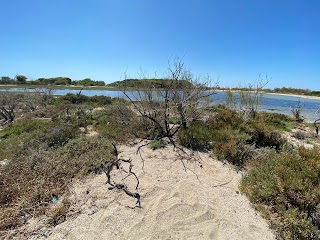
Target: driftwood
116, 163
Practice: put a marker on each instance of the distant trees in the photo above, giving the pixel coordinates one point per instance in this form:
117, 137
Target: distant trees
65, 81
141, 83
88, 82
52, 81
6, 80
292, 90
21, 79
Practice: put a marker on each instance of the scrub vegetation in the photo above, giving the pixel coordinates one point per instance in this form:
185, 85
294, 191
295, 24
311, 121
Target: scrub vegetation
47, 141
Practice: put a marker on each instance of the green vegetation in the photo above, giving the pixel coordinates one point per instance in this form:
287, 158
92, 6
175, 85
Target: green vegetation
282, 182
283, 90
156, 144
65, 81
234, 138
286, 188
297, 91
47, 141
145, 83
44, 150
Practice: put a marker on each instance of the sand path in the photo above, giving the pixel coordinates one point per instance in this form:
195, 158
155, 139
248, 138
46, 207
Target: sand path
202, 202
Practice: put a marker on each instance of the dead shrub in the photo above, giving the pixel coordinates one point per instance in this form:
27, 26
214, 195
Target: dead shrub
300, 135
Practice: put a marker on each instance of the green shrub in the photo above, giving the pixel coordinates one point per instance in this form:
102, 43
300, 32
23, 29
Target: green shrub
225, 118
264, 136
71, 98
9, 147
74, 98
288, 186
120, 124
196, 137
92, 152
60, 135
21, 134
25, 125
101, 100
174, 120
156, 144
277, 121
230, 144
47, 111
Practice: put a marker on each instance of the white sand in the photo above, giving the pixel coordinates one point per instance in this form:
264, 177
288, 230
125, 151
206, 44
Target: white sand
200, 203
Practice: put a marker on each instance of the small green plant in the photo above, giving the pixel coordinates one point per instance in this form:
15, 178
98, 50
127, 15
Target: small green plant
308, 141
156, 144
59, 213
174, 120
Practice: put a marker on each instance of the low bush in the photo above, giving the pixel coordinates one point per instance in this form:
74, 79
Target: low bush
101, 100
47, 112
225, 118
25, 125
59, 213
300, 135
280, 122
74, 98
60, 134
71, 98
264, 136
232, 137
156, 144
196, 137
91, 153
29, 181
120, 124
230, 145
287, 188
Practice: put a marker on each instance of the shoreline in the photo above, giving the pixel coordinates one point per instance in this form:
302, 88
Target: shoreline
281, 94
294, 95
62, 87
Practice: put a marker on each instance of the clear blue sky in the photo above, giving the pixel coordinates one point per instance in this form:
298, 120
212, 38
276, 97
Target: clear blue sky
101, 39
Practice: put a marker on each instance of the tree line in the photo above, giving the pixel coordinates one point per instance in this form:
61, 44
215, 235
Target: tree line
21, 79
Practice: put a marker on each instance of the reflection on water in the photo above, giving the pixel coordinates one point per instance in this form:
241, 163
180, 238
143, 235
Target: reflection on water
270, 102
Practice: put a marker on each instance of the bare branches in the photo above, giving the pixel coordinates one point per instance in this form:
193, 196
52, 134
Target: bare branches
297, 110
117, 163
182, 96
8, 103
249, 100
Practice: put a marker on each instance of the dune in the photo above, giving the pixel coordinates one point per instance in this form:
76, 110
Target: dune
183, 196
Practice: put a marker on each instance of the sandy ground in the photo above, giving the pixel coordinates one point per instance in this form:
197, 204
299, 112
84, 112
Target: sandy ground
281, 94
295, 95
182, 197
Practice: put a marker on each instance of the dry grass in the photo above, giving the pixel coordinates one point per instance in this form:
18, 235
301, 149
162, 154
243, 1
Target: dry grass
29, 182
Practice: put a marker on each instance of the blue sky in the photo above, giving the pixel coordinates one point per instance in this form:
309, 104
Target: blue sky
232, 40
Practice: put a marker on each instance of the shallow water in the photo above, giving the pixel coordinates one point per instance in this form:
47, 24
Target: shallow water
270, 102
283, 104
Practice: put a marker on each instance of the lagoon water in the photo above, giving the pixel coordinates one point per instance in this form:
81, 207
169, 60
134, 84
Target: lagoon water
270, 102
